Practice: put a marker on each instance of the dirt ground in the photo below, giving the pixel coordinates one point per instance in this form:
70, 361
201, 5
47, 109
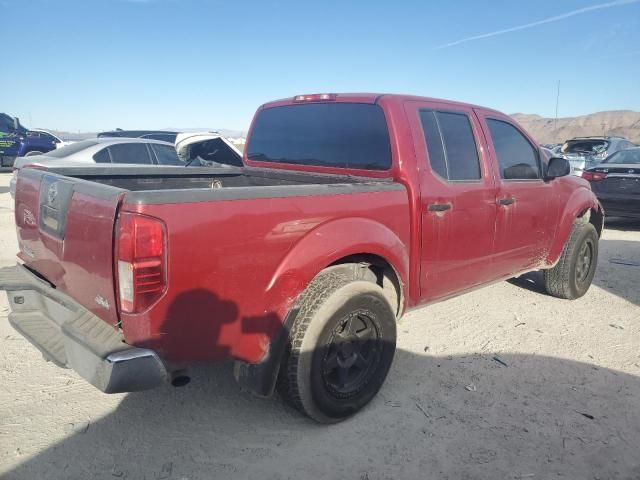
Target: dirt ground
502, 383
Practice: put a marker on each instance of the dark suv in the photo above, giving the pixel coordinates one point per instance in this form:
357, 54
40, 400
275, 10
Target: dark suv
162, 135
586, 152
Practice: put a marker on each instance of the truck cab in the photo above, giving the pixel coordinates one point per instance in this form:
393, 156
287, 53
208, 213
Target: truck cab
18, 141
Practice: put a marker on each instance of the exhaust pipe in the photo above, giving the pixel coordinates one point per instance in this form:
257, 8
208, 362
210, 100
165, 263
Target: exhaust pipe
180, 378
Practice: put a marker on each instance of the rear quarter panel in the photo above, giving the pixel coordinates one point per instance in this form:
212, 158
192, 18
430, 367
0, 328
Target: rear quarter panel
236, 267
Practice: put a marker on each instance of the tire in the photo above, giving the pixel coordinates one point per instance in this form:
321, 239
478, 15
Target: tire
573, 274
341, 347
32, 153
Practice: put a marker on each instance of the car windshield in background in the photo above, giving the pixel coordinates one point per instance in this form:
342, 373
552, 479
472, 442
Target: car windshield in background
342, 135
625, 157
585, 147
71, 149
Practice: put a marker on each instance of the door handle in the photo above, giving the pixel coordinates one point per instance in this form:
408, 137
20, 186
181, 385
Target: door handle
506, 201
438, 207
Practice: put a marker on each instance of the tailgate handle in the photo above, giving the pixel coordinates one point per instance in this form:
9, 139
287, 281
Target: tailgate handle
438, 207
506, 201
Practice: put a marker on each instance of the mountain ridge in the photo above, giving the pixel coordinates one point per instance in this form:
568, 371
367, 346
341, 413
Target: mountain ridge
625, 123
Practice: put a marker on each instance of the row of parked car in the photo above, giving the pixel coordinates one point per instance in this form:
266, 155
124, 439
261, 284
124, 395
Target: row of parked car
611, 164
138, 147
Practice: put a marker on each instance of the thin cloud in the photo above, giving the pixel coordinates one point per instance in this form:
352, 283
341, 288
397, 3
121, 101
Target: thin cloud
556, 18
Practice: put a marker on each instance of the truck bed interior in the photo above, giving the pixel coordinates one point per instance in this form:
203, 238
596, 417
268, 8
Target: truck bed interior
169, 178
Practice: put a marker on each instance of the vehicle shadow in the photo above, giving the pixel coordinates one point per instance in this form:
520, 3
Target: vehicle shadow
474, 417
618, 271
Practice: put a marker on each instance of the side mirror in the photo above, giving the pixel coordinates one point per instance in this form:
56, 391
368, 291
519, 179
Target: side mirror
16, 123
558, 167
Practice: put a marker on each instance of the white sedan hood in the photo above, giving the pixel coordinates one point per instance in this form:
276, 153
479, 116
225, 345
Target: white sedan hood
210, 146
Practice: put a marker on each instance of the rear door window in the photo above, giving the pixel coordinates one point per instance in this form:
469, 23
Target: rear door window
342, 135
518, 159
130, 153
451, 146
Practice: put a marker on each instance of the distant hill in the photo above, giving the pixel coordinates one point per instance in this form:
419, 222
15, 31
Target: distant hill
619, 122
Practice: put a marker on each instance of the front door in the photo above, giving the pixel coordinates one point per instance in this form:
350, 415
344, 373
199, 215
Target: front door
458, 198
524, 199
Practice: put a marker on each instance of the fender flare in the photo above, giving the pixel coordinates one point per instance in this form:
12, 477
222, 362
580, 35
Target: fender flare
581, 201
317, 250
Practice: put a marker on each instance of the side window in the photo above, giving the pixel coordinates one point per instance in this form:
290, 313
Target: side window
451, 146
517, 158
166, 155
6, 123
129, 153
102, 156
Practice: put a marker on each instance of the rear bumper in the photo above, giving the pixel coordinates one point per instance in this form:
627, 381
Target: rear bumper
72, 337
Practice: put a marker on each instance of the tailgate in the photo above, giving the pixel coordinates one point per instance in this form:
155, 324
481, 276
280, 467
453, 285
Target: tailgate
65, 233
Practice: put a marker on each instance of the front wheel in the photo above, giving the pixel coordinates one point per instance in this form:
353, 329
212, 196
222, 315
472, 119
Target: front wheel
341, 348
573, 274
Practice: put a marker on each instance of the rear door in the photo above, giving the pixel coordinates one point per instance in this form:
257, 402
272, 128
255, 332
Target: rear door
523, 230
458, 198
65, 233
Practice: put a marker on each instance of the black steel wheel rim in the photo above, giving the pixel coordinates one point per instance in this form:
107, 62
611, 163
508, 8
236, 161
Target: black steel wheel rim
583, 262
352, 354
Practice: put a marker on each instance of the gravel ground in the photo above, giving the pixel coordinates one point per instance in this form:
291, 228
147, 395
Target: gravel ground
502, 383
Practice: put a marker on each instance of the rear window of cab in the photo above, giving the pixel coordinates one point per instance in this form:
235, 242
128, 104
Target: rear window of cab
338, 135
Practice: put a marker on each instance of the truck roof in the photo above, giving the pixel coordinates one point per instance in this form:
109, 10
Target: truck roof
363, 97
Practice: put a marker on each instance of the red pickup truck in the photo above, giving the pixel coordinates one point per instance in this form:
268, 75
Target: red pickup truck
349, 210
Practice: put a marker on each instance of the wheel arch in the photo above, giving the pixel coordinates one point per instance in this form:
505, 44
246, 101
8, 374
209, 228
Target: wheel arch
363, 248
582, 206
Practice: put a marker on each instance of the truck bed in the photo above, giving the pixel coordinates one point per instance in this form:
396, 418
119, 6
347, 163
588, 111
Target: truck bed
235, 236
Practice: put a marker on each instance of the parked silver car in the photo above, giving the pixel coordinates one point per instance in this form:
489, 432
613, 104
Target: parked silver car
103, 150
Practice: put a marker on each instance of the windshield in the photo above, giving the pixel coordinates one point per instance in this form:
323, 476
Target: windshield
71, 149
625, 156
343, 135
589, 147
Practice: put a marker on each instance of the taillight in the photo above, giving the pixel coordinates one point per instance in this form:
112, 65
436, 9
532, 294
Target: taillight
141, 261
594, 176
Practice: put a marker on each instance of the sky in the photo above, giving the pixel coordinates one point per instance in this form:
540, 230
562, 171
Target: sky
90, 65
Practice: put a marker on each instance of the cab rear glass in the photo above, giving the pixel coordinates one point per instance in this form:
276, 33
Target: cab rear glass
339, 135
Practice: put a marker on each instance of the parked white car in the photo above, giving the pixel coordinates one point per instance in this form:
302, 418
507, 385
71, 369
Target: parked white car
207, 148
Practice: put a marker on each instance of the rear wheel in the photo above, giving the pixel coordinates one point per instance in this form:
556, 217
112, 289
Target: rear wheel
341, 347
573, 274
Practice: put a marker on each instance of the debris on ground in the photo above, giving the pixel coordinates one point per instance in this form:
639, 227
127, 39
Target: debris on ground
422, 410
501, 362
586, 415
629, 263
470, 388
619, 327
